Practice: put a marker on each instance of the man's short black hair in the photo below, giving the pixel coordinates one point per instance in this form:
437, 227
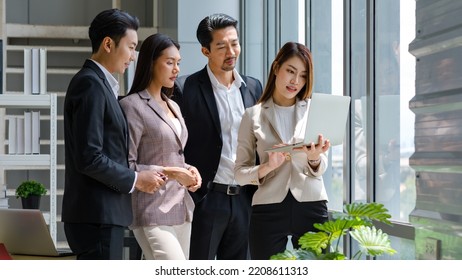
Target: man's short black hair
112, 23
210, 24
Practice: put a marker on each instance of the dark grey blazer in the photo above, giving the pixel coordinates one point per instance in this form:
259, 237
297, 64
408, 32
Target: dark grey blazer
98, 179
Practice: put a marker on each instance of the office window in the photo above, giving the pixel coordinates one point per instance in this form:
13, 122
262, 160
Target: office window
392, 72
362, 53
394, 87
266, 25
357, 76
324, 31
405, 249
382, 81
252, 37
360, 48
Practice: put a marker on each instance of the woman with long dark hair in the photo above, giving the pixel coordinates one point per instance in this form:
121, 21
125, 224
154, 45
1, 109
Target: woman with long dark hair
162, 220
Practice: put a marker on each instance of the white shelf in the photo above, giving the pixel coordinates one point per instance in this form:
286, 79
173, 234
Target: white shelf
11, 161
35, 161
25, 100
60, 31
59, 93
54, 71
32, 167
72, 49
46, 31
11, 192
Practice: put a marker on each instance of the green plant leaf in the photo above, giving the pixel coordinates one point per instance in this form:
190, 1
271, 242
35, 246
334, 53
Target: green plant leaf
356, 219
372, 241
295, 254
332, 256
365, 211
286, 255
338, 227
315, 241
328, 232
29, 188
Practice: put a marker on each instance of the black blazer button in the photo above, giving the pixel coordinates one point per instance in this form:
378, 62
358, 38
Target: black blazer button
180, 152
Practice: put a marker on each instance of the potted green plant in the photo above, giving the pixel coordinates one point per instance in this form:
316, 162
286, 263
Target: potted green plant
30, 192
356, 220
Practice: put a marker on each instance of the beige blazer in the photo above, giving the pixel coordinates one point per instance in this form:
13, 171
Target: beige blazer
258, 132
154, 143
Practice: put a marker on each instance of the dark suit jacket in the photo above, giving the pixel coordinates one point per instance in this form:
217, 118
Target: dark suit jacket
194, 94
98, 179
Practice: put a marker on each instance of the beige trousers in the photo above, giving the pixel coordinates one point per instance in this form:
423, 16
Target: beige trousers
164, 242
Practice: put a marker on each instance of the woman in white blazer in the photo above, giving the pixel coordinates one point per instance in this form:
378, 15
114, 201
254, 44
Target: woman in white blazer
291, 196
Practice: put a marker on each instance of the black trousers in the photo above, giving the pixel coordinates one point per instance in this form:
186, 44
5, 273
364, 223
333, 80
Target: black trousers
220, 227
95, 241
271, 224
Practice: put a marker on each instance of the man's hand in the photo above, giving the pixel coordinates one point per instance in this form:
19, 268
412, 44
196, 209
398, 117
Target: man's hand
149, 181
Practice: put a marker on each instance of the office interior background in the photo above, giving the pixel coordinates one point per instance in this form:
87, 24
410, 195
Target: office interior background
399, 61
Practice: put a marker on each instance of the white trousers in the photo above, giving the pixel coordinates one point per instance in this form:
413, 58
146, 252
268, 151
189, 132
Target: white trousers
164, 242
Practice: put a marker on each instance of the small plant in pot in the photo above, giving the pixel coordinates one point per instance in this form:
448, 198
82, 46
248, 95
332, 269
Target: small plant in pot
30, 192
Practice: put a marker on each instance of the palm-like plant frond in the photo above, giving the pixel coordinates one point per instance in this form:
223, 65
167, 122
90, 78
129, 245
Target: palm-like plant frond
338, 227
314, 241
366, 212
372, 241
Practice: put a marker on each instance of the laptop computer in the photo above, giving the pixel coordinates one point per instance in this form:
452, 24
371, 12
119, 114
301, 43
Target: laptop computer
327, 115
25, 232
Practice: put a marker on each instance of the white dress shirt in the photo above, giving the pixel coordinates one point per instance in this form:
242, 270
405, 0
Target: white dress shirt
285, 121
112, 81
230, 110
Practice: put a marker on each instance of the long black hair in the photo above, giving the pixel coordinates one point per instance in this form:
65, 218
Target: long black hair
150, 50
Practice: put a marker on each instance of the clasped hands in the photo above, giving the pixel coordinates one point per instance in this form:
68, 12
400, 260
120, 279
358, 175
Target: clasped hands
150, 181
190, 178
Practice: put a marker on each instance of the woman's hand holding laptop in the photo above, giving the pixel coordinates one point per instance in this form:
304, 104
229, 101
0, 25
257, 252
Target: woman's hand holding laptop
314, 151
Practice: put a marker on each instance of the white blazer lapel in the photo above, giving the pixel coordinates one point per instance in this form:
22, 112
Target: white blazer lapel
269, 115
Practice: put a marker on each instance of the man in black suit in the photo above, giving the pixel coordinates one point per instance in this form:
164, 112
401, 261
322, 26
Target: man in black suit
212, 101
96, 202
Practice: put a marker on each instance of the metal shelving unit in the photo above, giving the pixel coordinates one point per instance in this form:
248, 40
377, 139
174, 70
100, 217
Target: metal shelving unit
35, 161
